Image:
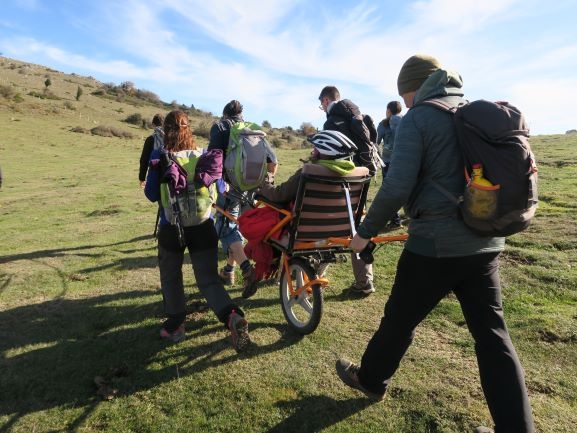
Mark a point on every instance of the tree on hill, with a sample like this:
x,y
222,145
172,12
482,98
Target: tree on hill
x,y
307,128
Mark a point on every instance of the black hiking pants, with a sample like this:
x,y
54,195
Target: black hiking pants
x,y
201,242
420,284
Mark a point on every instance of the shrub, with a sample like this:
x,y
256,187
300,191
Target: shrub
x,y
110,131
6,91
134,119
203,129
307,128
46,94
80,130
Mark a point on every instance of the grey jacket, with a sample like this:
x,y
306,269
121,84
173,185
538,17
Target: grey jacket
x,y
426,148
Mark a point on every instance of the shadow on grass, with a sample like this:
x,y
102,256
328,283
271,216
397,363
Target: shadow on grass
x,y
316,413
79,251
51,352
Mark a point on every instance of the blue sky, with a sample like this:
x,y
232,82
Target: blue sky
x,y
276,55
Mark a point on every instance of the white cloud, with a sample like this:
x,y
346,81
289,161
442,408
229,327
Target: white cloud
x,y
548,104
275,56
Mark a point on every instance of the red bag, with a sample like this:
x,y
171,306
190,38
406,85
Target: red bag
x,y
254,224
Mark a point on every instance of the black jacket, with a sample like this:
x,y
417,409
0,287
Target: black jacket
x,y
339,119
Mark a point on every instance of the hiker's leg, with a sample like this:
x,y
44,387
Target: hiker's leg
x,y
362,272
172,287
204,259
419,286
236,250
500,371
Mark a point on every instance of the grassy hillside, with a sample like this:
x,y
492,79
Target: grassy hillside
x,y
80,303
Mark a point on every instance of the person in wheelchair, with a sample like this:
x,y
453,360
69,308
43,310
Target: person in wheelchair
x,y
332,150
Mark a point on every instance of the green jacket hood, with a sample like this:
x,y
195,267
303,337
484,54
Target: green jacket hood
x,y
340,166
440,83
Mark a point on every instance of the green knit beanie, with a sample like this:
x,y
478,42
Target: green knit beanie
x,y
415,71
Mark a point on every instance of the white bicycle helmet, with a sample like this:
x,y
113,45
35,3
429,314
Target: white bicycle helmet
x,y
333,143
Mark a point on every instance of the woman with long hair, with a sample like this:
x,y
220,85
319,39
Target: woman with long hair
x,y
198,236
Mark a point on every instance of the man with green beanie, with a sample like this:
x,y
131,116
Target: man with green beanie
x,y
441,255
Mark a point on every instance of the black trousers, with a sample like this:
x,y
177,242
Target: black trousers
x,y
201,242
420,284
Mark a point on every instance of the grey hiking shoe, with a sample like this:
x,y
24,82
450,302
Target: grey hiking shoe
x,y
348,373
483,430
227,277
249,282
362,289
238,327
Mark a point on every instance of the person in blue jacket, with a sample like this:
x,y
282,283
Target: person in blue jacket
x,y
441,255
386,134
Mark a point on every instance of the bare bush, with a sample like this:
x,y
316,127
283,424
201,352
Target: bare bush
x,y
307,129
134,119
6,91
203,129
110,131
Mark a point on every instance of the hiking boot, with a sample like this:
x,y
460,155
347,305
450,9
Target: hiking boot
x,y
238,327
249,282
362,289
227,277
175,336
483,430
393,225
349,373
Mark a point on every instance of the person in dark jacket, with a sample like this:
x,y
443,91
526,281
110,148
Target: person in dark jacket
x,y
441,255
200,240
152,142
339,112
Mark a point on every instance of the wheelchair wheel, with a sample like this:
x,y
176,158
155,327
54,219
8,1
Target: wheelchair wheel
x,y
303,311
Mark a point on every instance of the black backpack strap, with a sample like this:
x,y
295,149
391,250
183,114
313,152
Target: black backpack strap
x,y
439,103
446,192
442,105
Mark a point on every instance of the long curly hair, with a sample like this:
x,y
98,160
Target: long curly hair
x,y
177,132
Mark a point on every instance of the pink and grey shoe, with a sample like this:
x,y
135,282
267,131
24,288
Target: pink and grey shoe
x,y
238,327
175,336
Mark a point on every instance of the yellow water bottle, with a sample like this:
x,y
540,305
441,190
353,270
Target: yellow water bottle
x,y
477,176
482,195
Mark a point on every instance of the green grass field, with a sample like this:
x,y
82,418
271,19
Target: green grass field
x,y
80,303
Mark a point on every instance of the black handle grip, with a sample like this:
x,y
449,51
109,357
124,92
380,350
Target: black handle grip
x,y
366,254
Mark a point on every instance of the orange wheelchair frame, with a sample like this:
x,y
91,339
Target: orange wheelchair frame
x,y
322,198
